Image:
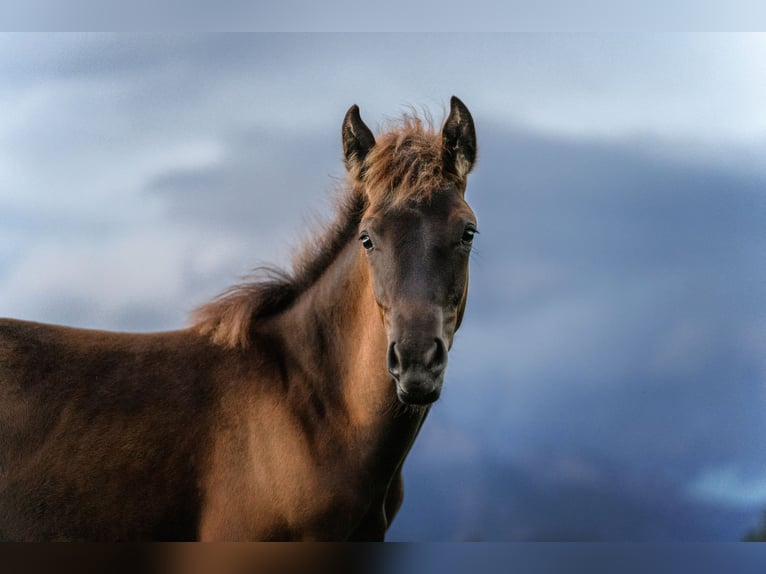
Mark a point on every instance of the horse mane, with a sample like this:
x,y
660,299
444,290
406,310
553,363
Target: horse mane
x,y
229,317
404,165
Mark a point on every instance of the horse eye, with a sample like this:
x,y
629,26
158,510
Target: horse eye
x,y
366,241
468,234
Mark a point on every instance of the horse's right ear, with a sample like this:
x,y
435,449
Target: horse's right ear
x,y
357,139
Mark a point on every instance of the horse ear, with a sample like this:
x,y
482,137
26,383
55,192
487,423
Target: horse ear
x,y
357,139
458,140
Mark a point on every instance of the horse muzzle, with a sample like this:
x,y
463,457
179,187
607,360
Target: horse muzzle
x,y
418,368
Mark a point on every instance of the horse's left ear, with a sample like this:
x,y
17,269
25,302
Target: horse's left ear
x,y
458,140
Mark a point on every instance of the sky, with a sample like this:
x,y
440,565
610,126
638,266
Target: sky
x,y
609,380
394,15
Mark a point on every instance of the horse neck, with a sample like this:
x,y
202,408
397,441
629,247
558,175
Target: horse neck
x,y
337,335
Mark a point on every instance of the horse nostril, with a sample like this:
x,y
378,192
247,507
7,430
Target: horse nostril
x,y
392,361
436,359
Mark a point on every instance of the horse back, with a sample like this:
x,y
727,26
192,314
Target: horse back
x,y
102,435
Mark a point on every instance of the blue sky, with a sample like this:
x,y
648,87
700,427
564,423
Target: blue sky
x,y
609,381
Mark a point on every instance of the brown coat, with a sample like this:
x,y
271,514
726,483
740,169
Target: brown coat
x,y
287,409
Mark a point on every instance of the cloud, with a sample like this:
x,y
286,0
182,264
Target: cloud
x,y
729,487
262,173
491,500
612,325
146,280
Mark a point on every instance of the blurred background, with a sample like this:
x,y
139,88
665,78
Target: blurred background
x,y
609,380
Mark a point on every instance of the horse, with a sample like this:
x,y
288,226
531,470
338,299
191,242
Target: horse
x,y
287,406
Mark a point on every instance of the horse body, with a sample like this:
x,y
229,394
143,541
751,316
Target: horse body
x,y
284,413
165,436
100,433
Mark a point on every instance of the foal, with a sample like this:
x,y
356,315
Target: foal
x,y
286,410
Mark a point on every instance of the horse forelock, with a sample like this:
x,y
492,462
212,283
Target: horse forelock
x,y
405,165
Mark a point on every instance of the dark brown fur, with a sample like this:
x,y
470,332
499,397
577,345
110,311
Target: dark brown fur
x,y
273,417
